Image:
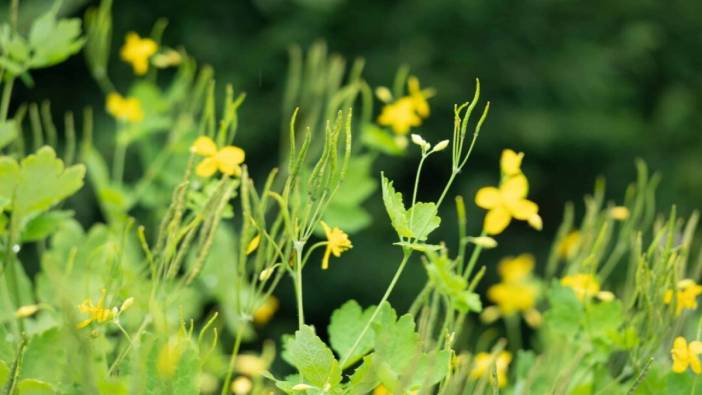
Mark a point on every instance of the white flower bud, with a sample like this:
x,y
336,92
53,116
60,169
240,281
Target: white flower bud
x,y
441,145
483,241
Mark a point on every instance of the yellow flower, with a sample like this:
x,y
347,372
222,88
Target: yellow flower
x,y
381,390
513,297
507,202
227,159
483,366
511,162
685,355
619,213
418,96
686,298
337,242
137,51
515,269
400,115
96,312
124,109
253,244
569,245
585,286
264,313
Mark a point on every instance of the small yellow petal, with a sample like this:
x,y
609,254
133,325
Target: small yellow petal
x,y
229,158
206,168
253,244
496,220
523,209
536,222
488,198
511,162
514,188
204,146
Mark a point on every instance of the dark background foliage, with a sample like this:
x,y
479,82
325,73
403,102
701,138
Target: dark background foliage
x,y
582,88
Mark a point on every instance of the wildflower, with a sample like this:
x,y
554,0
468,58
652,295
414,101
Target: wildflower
x,y
265,312
585,286
227,159
124,109
513,297
26,311
515,269
511,162
569,245
619,213
137,51
241,385
400,116
253,244
337,242
685,355
96,312
687,293
483,366
507,202
381,390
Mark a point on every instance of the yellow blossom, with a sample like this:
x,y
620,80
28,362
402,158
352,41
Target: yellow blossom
x,y
686,296
137,51
253,244
381,390
569,245
685,355
227,159
418,96
586,286
506,202
511,162
619,213
265,312
124,109
513,297
400,115
483,366
514,269
96,312
337,242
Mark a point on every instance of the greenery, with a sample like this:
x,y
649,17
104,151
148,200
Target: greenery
x,y
342,227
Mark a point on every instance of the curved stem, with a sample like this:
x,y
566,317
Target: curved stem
x,y
232,362
384,299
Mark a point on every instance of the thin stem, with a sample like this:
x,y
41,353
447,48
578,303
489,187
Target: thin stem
x,y
454,172
514,332
6,94
393,282
118,163
232,361
416,179
473,259
298,286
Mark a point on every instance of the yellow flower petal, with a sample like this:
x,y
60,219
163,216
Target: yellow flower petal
x,y
229,158
488,197
253,244
514,188
511,162
523,209
204,146
496,220
137,51
695,347
206,168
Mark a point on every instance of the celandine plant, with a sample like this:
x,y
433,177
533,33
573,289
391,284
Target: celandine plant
x,y
160,297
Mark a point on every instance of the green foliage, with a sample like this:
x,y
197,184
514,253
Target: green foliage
x,y
417,222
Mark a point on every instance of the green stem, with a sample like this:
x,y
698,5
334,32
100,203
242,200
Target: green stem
x,y
473,259
232,362
5,103
298,285
384,299
118,161
454,172
514,332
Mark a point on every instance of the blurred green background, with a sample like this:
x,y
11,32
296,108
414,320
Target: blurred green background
x,y
582,88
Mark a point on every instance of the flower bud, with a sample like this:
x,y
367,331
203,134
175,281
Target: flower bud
x,y
441,145
486,242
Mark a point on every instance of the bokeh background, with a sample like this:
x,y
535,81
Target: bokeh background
x,y
582,88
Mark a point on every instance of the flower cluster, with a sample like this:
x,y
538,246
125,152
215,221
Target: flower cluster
x,y
517,292
509,199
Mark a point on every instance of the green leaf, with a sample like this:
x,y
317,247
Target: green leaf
x,y
423,220
52,40
34,387
395,208
364,379
38,183
396,343
44,225
45,357
441,276
346,325
8,132
4,373
351,218
566,313
313,359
